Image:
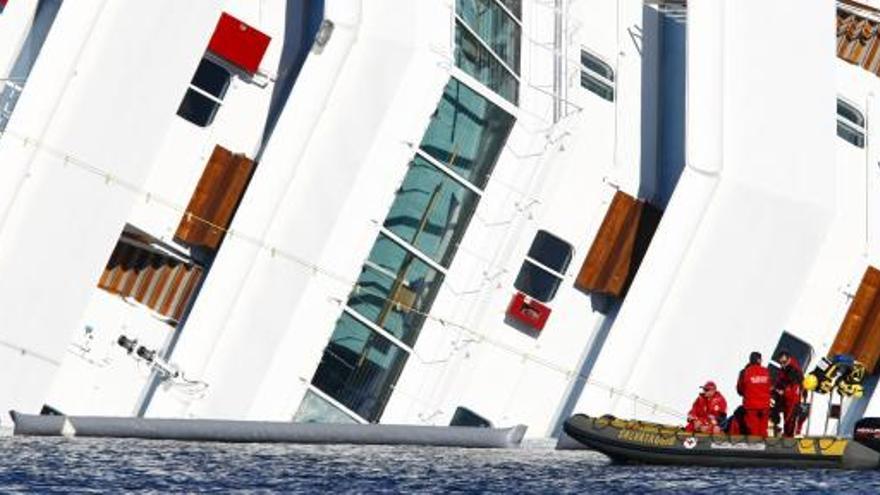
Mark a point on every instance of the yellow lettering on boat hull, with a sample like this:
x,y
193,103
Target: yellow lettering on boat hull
x,y
646,438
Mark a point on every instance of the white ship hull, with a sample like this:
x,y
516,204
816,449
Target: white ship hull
x,y
769,219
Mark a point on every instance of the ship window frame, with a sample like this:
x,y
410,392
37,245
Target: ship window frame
x,y
851,123
532,265
351,320
597,75
196,95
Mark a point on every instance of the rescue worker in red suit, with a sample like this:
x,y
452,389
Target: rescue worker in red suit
x,y
754,386
787,393
708,412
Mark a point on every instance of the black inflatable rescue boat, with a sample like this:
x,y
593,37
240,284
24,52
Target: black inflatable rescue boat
x,y
650,443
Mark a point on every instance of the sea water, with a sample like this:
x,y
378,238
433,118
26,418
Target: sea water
x,y
59,465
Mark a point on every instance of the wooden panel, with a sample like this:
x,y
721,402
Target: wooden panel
x,y
619,246
595,271
215,199
870,58
862,310
161,282
867,345
857,39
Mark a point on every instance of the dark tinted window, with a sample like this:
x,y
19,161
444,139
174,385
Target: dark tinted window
x,y
537,282
550,251
212,78
598,87
850,113
850,134
850,124
597,76
596,65
799,349
198,108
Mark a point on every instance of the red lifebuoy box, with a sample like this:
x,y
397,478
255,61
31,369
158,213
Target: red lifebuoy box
x,y
529,311
238,43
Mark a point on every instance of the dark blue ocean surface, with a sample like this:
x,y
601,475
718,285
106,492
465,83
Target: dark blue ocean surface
x,y
60,465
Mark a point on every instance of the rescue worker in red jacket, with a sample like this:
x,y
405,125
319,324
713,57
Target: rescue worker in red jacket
x,y
754,386
708,412
787,393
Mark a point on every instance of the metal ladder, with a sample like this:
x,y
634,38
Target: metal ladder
x,y
834,412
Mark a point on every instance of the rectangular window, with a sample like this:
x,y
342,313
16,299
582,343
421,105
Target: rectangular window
x,y
551,251
597,76
395,289
544,267
215,199
536,282
472,57
205,94
359,368
850,124
212,78
467,133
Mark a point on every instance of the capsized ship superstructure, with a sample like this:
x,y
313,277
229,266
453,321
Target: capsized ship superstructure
x,y
428,212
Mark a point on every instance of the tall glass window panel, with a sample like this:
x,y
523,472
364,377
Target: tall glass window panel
x,y
359,368
431,211
495,27
473,58
467,133
395,290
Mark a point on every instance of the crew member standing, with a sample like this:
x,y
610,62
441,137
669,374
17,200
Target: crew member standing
x,y
754,386
787,393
